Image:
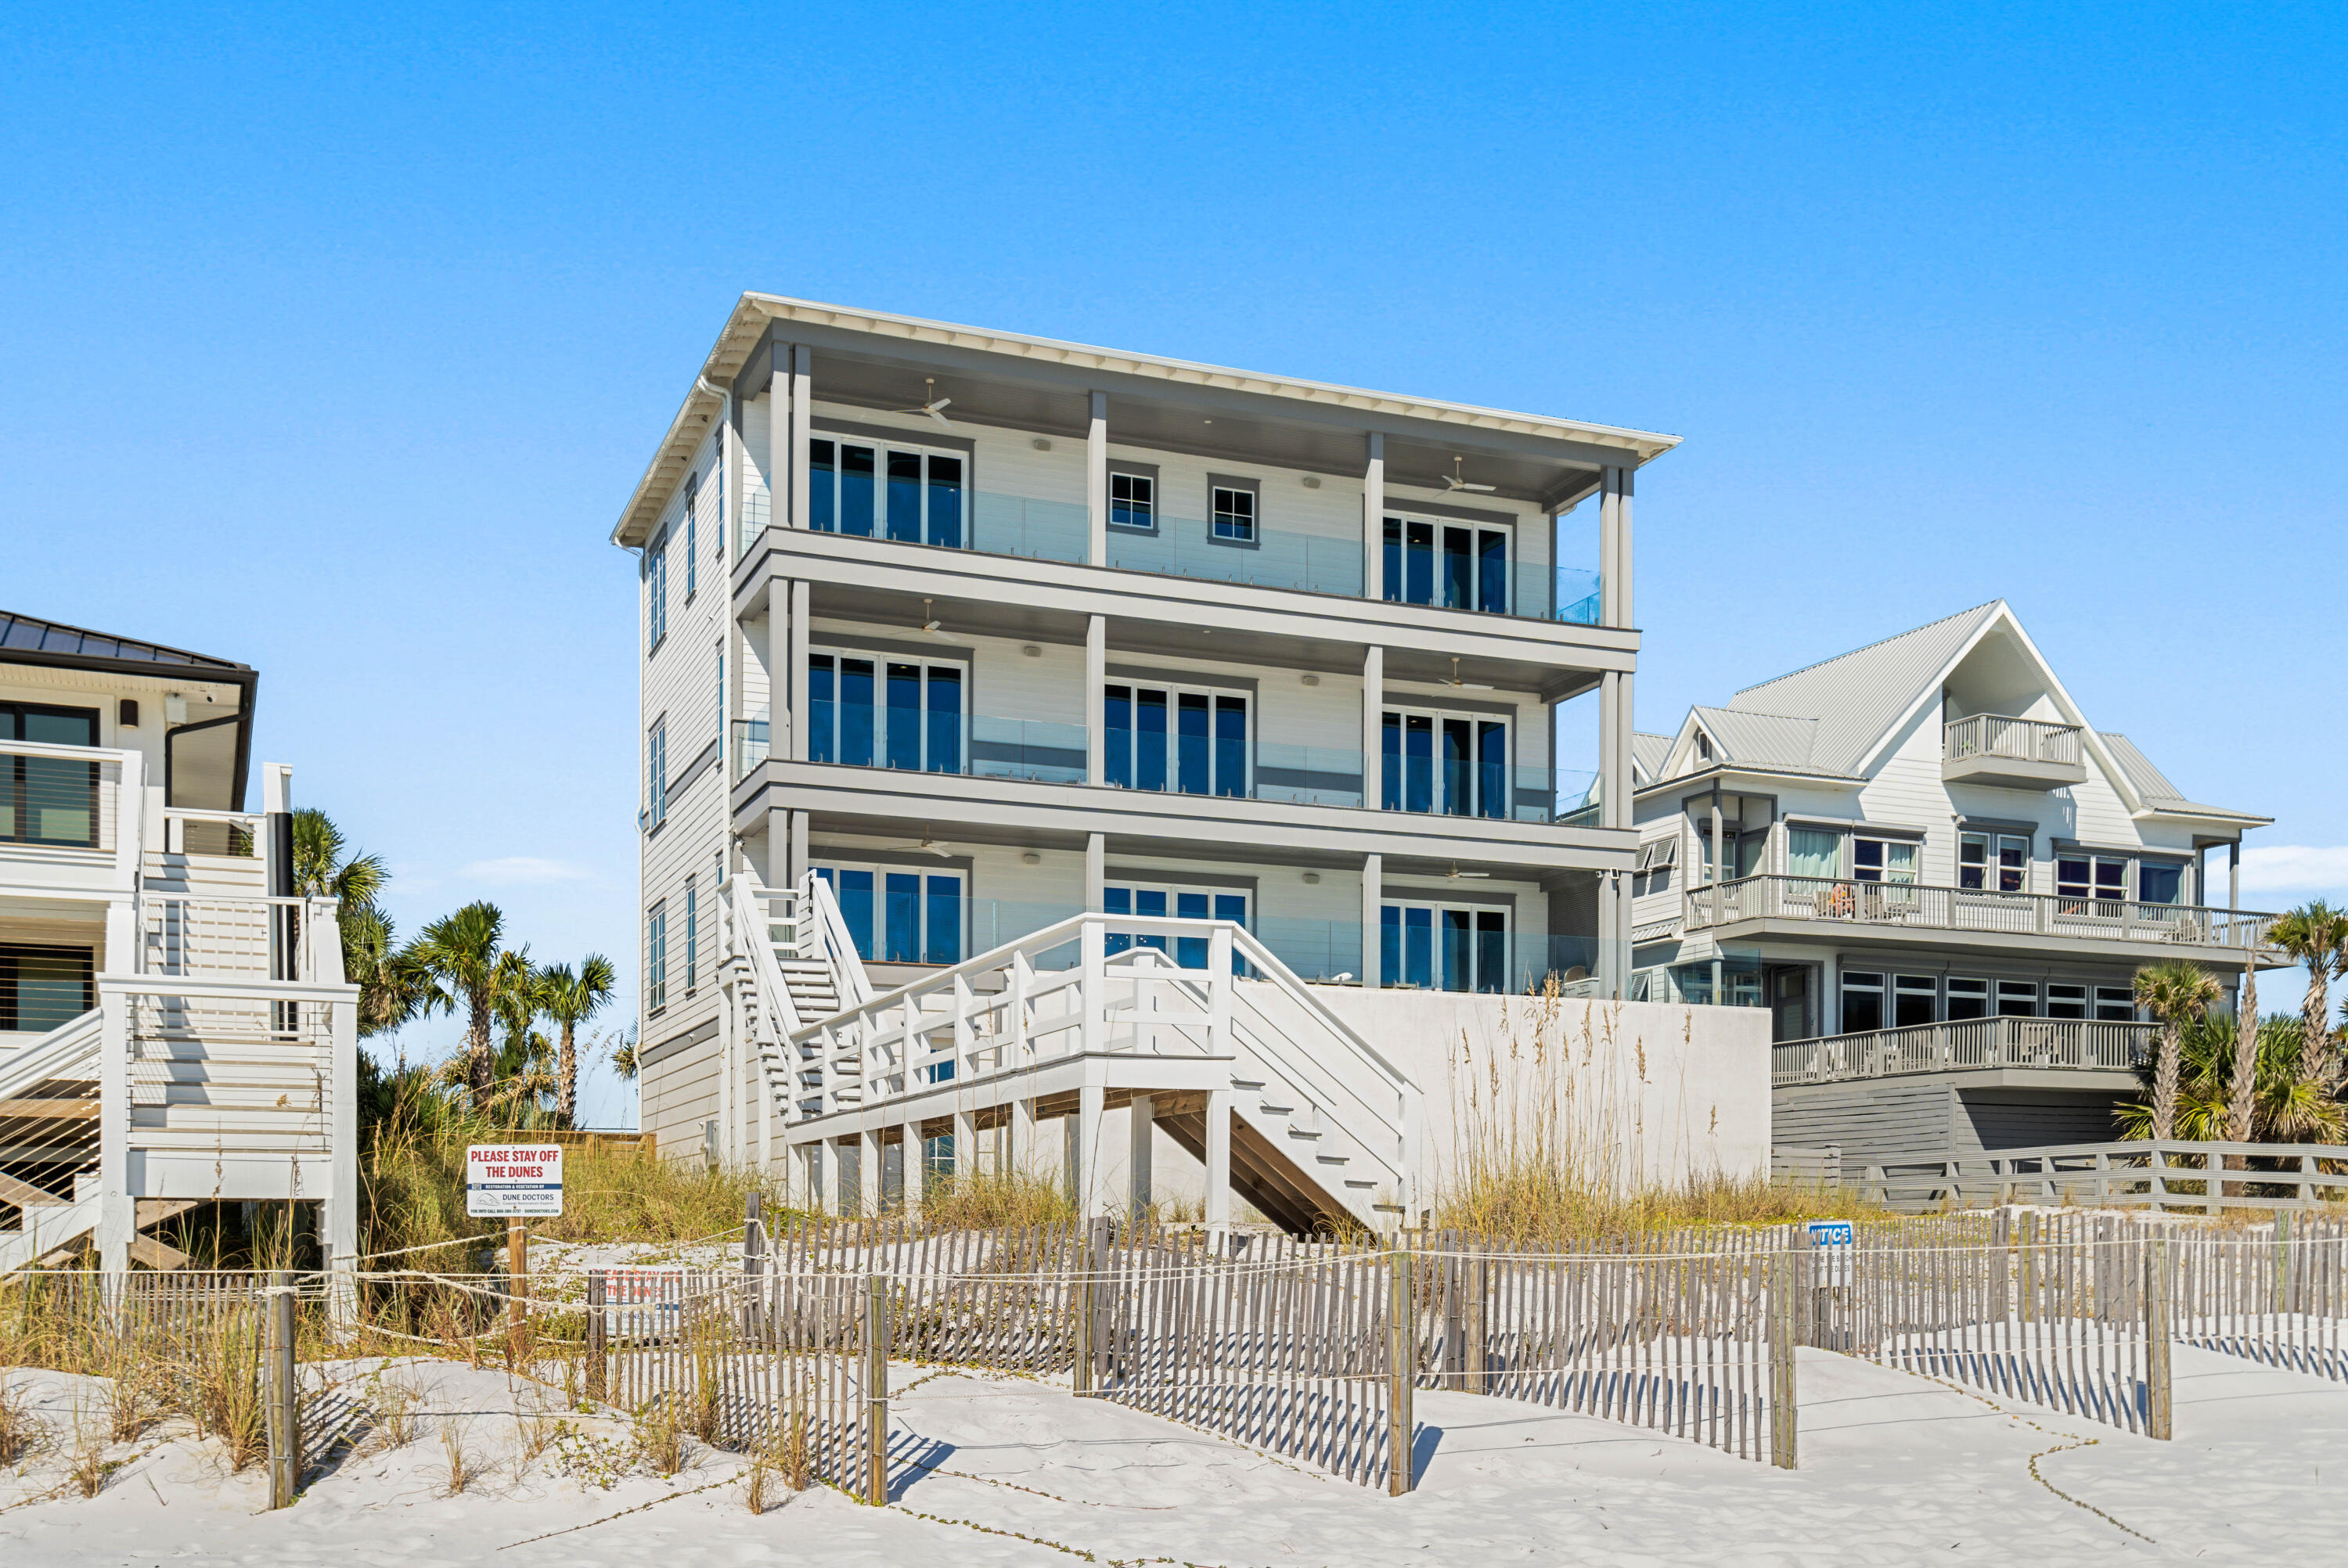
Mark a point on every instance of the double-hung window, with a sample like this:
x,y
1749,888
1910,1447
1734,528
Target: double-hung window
x,y
2115,1004
656,772
1447,948
1883,860
1146,902
899,916
656,593
1444,765
897,490
1862,1000
1813,852
2159,882
2066,1000
1168,738
1232,512
1994,862
42,987
48,800
885,713
1968,998
1458,565
1132,500
2017,999
1913,998
2091,884
656,957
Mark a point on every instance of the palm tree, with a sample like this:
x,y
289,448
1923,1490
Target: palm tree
x,y
516,991
456,961
2243,1094
2315,934
2173,992
570,999
387,994
320,871
2282,1110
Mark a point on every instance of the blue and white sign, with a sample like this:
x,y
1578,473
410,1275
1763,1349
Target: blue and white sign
x,y
513,1180
1831,1245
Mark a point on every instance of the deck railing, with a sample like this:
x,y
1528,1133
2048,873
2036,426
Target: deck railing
x,y
1964,1045
1915,906
62,797
2019,739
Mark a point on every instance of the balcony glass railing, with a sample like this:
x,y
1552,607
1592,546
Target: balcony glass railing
x,y
1027,749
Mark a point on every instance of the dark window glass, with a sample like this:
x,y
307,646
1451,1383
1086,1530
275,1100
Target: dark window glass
x,y
1491,950
2115,1004
1234,514
1390,944
822,505
941,924
1190,760
1132,501
1492,768
1418,947
1418,762
2158,883
1191,952
856,724
1968,999
1117,719
2012,864
2017,999
48,800
1458,568
944,750
945,502
1117,901
1230,746
1390,753
1149,739
43,987
1391,573
1492,571
904,734
1419,563
1912,999
2066,1001
901,917
905,496
822,709
1458,950
1866,859
1973,861
1862,1002
856,479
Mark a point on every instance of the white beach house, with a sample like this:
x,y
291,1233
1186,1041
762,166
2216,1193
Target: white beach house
x,y
1938,879
1260,711
174,1027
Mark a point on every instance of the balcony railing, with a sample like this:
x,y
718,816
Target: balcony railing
x,y
1995,735
1914,906
59,797
1964,1045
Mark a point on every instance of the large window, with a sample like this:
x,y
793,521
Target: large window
x,y
1968,998
2159,882
1166,738
2017,999
1883,860
1438,947
1460,566
885,713
655,570
1862,1000
656,957
1813,852
2086,881
1447,764
1156,903
42,988
656,772
1913,999
48,800
898,491
900,916
1993,863
2115,1004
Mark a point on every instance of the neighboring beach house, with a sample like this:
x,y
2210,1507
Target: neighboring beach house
x,y
174,1031
953,637
1938,879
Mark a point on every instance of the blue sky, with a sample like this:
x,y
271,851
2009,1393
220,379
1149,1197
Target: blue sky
x,y
334,344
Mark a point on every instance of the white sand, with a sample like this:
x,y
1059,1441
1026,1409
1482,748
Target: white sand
x,y
1896,1470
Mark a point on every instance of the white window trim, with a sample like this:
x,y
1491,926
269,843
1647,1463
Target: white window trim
x,y
1175,691
1408,709
880,870
881,446
880,662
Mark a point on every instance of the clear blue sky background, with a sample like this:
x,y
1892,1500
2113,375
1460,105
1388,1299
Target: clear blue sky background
x,y
334,344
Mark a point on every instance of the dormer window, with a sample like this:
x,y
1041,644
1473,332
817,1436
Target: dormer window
x,y
1702,746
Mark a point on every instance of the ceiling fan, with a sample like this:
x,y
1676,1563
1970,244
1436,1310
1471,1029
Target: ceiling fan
x,y
1453,480
1463,685
1455,875
927,846
933,404
929,622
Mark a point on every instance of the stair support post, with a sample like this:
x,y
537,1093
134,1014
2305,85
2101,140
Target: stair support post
x,y
870,1155
1219,1162
1402,1373
965,1145
1141,1133
118,1215
913,1188
1093,1022
1219,992
1091,1110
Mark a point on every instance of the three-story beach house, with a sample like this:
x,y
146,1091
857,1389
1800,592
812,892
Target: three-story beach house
x,y
174,1027
1938,879
1205,701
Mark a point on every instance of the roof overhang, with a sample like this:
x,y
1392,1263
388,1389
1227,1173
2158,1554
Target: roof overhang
x,y
1454,425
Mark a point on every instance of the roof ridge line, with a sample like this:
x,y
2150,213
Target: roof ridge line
x,y
1864,646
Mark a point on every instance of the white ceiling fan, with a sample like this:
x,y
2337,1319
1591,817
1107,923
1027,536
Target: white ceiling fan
x,y
933,404
929,622
928,845
1463,685
1453,480
1455,875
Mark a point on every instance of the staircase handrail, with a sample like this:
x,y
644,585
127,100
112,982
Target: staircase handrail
x,y
51,1054
751,922
847,965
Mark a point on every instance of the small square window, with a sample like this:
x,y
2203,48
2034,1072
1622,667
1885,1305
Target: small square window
x,y
1132,501
1234,514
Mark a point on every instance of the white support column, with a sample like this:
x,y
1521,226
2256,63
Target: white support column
x,y
915,1166
868,1173
1719,855
1219,1162
1019,1139
1096,478
117,1213
1613,750
1096,700
802,426
1374,706
826,1163
1096,872
1091,1190
342,1206
1141,1132
1610,542
729,1077
1626,481
795,856
795,678
1374,894
1092,1023
1609,911
1373,519
2234,874
965,1145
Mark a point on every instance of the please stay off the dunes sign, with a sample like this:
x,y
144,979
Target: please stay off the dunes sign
x,y
513,1180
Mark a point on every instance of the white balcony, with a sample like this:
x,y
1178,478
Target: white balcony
x,y
1893,912
1964,1045
2013,754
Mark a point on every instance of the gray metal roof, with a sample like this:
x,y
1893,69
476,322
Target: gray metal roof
x,y
60,642
2152,785
1855,698
1761,740
1649,752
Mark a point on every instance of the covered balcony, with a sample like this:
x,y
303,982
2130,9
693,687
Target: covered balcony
x,y
2013,754
1966,1045
1880,913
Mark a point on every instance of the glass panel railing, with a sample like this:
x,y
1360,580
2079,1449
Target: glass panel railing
x,y
1027,749
1308,775
1270,558
1534,589
747,740
1430,786
1042,530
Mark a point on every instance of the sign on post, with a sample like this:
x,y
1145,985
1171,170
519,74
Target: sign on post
x,y
513,1180
1831,1243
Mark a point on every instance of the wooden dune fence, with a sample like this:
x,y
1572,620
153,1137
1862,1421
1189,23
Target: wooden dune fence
x,y
2278,1296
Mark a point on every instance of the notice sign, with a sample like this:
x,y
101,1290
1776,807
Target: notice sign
x,y
513,1180
1830,1244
